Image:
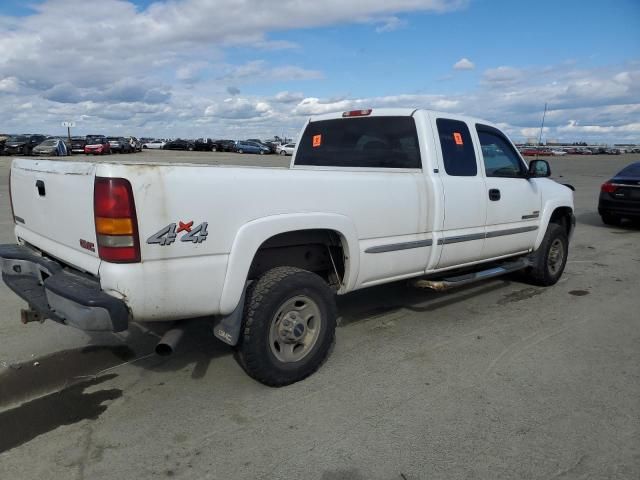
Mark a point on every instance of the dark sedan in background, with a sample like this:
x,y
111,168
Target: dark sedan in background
x,y
620,196
77,144
22,144
179,144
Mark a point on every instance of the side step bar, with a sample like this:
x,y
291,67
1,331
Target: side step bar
x,y
447,283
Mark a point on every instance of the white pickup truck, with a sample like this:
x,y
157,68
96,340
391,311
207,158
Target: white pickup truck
x,y
370,197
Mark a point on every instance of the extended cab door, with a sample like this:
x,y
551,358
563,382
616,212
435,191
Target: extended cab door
x,y
514,201
465,198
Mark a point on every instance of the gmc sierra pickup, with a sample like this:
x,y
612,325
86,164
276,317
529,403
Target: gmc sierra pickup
x,y
370,197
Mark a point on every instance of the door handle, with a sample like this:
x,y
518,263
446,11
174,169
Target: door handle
x,y
40,187
494,194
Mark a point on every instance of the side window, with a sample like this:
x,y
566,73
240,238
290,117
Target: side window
x,y
500,158
457,148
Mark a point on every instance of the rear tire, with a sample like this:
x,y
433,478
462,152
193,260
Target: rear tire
x,y
609,219
288,327
550,258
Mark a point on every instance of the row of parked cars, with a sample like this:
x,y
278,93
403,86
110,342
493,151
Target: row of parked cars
x,y
559,151
36,144
208,145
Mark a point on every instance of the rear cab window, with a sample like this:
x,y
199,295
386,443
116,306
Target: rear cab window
x,y
458,152
365,142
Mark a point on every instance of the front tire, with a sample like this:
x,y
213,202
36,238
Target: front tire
x,y
550,258
288,328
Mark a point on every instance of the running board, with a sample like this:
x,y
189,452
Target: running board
x,y
460,280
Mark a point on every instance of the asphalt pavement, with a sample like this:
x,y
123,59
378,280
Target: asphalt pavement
x,y
499,380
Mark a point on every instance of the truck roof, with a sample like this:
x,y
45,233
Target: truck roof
x,y
402,112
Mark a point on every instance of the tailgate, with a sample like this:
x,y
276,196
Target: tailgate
x,y
53,208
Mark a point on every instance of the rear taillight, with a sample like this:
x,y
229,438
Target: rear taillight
x,y
608,187
357,113
115,219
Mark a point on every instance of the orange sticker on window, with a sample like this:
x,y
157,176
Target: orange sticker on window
x,y
457,137
317,141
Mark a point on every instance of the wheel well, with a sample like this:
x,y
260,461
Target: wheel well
x,y
562,216
320,251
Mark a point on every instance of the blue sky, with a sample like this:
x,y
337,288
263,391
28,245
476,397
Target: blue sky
x,y
253,68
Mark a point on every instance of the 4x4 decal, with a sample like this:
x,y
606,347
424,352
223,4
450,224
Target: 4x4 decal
x,y
169,234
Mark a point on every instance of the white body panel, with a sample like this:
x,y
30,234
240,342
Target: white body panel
x,y
372,210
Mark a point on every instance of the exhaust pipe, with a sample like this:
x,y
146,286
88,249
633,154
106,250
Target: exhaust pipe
x,y
169,342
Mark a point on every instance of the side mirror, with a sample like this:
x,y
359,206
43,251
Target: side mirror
x,y
539,168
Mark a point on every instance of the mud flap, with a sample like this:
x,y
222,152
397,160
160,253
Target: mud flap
x,y
227,329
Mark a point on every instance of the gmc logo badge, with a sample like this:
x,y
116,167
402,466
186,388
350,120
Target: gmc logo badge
x,y
87,245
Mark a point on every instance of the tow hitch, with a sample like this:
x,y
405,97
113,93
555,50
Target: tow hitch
x,y
28,316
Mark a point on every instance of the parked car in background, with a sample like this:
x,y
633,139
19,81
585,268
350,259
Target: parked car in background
x,y
179,144
119,145
77,144
22,144
136,145
273,147
52,147
287,149
251,147
558,153
3,139
224,145
65,140
154,144
97,145
204,145
620,196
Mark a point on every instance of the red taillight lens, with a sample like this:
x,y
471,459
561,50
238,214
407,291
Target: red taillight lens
x,y
608,187
115,220
113,198
357,113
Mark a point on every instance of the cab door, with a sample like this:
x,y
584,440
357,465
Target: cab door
x,y
513,200
465,201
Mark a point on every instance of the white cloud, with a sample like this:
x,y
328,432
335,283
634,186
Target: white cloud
x,y
390,24
158,71
502,76
9,85
464,64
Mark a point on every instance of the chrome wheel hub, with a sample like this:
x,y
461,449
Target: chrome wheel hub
x,y
556,256
295,329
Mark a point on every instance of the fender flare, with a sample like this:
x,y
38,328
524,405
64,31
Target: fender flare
x,y
253,234
549,207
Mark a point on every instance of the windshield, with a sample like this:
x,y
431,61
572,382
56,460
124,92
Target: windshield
x,y
48,143
17,138
94,140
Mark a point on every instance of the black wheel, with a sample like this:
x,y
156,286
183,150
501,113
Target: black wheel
x,y
550,258
288,327
609,219
282,152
